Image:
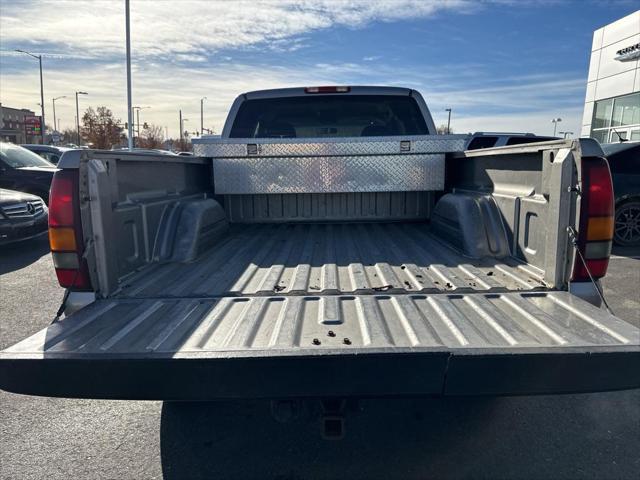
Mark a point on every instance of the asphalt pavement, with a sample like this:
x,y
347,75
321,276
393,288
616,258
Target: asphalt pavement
x,y
568,436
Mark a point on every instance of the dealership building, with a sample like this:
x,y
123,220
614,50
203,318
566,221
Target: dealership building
x,y
612,103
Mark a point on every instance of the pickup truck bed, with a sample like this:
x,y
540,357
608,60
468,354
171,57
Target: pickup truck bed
x,y
273,308
312,259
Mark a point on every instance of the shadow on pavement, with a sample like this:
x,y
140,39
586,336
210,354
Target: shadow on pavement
x,y
524,437
15,256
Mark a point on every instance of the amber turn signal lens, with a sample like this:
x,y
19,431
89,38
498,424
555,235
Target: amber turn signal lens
x,y
600,228
62,239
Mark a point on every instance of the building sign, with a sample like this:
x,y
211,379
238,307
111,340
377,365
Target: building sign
x,y
32,125
629,53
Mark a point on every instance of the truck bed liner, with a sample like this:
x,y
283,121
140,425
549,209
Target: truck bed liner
x,y
281,346
307,259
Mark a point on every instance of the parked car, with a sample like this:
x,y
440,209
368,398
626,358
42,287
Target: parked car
x,y
624,161
50,153
316,251
144,150
22,216
25,171
500,139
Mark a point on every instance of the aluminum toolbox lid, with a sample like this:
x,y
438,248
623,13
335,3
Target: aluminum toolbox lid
x,y
213,146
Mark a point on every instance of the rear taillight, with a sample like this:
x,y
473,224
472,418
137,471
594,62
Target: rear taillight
x,y
65,232
327,89
596,220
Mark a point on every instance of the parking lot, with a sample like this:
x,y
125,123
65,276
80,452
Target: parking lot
x,y
570,436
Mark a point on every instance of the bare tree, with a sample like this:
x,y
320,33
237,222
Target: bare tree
x,y
100,128
68,135
184,145
152,136
442,129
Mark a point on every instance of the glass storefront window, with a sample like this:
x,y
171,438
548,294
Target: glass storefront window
x,y
626,110
616,118
600,135
618,135
602,114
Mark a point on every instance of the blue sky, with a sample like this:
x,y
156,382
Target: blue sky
x,y
500,65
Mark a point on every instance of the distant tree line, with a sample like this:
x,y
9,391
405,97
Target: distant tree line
x,y
101,129
442,129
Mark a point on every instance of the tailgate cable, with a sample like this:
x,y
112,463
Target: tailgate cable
x,y
574,241
63,305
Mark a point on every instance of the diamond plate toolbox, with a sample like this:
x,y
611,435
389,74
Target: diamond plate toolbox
x,y
336,165
330,174
303,147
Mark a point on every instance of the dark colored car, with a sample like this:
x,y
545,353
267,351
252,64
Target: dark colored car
x,y
624,161
22,216
25,171
51,153
500,139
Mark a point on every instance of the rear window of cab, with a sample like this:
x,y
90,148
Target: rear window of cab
x,y
329,116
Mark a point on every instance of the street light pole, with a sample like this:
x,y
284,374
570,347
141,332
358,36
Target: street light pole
x,y
448,120
184,128
138,121
182,120
77,121
55,124
202,115
39,57
129,101
41,99
78,115
555,122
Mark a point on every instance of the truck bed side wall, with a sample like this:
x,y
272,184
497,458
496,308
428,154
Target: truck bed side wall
x,y
135,198
530,186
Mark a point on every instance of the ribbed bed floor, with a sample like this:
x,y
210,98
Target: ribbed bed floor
x,y
307,259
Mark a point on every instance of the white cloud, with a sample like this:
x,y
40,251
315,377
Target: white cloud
x,y
173,42
525,94
162,87
96,27
190,57
533,122
526,106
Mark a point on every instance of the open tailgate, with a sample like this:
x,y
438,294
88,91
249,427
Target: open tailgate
x,y
340,345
